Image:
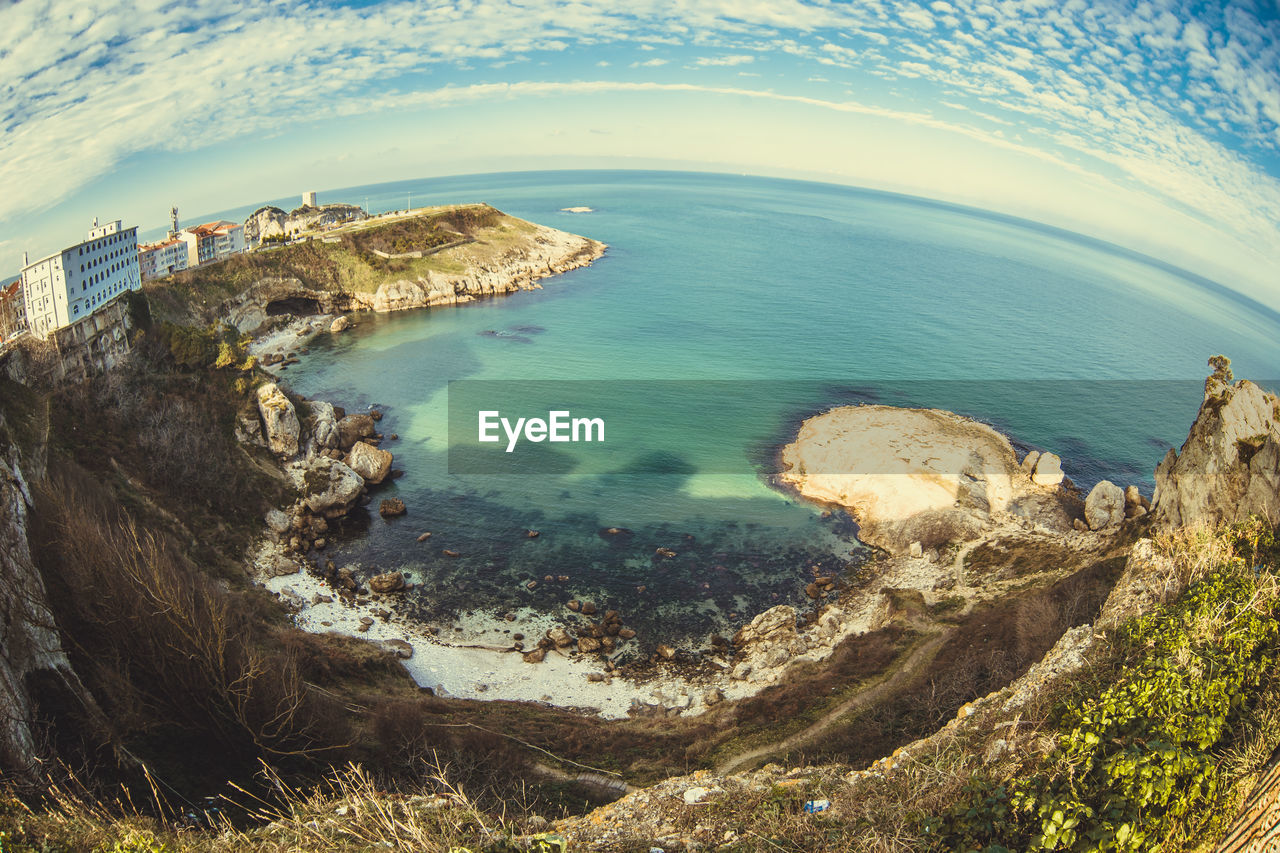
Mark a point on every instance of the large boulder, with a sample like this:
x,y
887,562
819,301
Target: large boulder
x,y
323,424
248,426
1048,470
328,487
1105,506
369,462
1229,466
387,582
280,420
352,428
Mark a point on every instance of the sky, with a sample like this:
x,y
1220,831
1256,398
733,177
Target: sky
x,y
1152,124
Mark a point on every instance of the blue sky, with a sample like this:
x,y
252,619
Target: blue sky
x,y
1152,124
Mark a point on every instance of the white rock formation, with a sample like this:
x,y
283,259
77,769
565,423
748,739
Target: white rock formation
x,y
1105,506
280,420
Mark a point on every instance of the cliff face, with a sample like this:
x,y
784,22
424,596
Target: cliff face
x,y
542,253
1229,466
271,221
29,642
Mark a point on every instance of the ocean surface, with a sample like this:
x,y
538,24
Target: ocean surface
x,y
726,310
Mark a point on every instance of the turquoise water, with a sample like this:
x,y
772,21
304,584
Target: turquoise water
x,y
806,296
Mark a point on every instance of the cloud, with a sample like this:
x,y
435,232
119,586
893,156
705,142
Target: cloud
x,y
1176,100
731,59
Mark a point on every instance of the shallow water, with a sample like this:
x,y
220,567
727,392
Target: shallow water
x,y
806,296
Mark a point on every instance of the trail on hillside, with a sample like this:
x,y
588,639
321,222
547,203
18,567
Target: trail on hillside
x,y
920,657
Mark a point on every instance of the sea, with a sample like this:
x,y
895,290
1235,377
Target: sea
x,y
725,311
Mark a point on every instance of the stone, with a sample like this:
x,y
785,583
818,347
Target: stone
x,y
535,656
277,521
1104,507
280,420
322,423
424,537
574,605
450,553
665,552
1029,462
402,648
339,324
588,608
1078,524
560,637
915,549
665,652
595,676
532,534
693,796
1048,470
626,633
1133,505
387,582
712,697
531,585
352,428
369,462
327,486
588,644
248,426
391,507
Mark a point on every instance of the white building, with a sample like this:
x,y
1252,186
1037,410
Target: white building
x,y
156,260
212,241
70,285
309,199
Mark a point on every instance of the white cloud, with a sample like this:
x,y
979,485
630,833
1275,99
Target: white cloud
x,y
731,59
650,63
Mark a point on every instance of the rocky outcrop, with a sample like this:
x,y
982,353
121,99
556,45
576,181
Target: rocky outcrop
x,y
371,463
767,642
352,428
1229,466
328,487
279,419
1105,506
918,479
322,425
29,642
271,221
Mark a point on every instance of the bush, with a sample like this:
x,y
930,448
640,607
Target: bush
x,y
1139,764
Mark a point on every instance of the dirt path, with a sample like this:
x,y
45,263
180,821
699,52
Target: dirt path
x,y
919,658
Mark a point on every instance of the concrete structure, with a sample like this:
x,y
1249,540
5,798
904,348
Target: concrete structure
x,y
66,287
212,241
309,199
156,260
13,314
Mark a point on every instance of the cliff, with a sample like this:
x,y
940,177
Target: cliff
x,y
31,651
442,256
270,221
1229,466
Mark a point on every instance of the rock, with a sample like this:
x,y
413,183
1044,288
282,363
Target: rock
x,y
626,633
588,608
714,696
665,552
449,553
323,425
574,605
535,656
560,637
1048,470
741,672
588,644
695,795
277,521
424,537
339,324
595,676
280,420
1133,506
1229,466
402,648
531,585
327,486
915,549
1078,524
369,462
347,579
1029,462
665,652
532,534
352,428
391,507
812,590
366,621
1105,506
248,426
387,582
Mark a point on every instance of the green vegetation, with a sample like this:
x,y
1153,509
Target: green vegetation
x,y
1141,760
